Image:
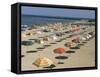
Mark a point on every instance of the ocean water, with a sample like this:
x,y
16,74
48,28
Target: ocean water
x,y
31,20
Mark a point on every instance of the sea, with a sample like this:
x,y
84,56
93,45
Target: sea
x,y
37,20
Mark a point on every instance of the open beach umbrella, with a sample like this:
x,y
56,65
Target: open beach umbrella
x,y
28,34
76,40
39,41
53,37
24,34
59,51
67,44
77,28
74,45
83,38
26,43
43,62
46,38
72,28
39,32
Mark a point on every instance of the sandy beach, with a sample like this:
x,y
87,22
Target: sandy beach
x,y
83,57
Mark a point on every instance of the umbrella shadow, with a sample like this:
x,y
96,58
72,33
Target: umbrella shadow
x,y
74,47
70,51
53,43
51,66
58,41
32,51
22,55
61,57
60,62
81,44
31,39
47,45
40,48
84,42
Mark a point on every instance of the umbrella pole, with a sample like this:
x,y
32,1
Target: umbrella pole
x,y
60,62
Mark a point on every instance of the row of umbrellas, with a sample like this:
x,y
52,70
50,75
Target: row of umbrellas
x,y
71,28
45,62
45,38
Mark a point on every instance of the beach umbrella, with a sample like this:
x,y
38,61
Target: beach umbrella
x,y
28,34
59,34
83,38
91,33
87,36
26,43
77,28
46,30
43,62
23,35
76,40
74,46
54,37
59,51
67,44
72,28
39,41
39,32
45,38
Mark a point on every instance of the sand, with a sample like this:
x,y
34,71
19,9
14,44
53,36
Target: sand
x,y
83,57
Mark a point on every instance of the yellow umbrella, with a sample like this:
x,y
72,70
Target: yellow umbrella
x,y
43,62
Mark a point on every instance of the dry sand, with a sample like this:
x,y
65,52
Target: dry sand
x,y
83,57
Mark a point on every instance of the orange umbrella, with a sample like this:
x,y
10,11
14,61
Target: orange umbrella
x,y
59,50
